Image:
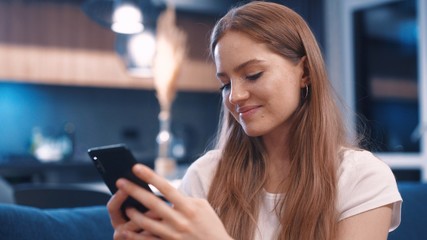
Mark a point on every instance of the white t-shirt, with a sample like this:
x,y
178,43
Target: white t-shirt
x,y
364,183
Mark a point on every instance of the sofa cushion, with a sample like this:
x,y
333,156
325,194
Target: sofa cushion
x,y
20,222
414,212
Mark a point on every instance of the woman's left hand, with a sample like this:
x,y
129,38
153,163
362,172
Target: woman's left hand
x,y
184,218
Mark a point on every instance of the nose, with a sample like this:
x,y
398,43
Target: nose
x,y
238,92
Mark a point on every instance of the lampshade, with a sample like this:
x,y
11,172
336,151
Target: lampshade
x,y
121,16
127,17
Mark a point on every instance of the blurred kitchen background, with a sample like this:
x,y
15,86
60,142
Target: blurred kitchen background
x,y
68,82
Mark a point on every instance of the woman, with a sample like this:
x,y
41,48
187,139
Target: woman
x,y
282,168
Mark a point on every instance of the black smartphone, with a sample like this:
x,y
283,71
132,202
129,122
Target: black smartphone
x,y
114,162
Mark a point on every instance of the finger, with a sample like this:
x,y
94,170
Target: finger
x,y
153,215
113,207
169,192
127,227
131,226
154,227
128,235
159,208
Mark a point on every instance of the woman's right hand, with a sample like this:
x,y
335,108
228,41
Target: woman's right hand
x,y
121,224
184,218
118,222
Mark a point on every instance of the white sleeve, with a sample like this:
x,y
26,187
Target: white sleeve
x,y
197,179
365,182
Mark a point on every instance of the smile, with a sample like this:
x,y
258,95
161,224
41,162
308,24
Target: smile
x,y
247,111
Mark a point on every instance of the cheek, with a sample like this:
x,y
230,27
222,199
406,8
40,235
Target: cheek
x,y
292,97
285,98
290,90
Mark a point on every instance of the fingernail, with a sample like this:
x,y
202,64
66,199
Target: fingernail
x,y
129,211
138,167
120,183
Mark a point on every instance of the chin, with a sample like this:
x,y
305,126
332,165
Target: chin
x,y
252,133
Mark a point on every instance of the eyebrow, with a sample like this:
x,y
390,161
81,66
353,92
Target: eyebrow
x,y
241,66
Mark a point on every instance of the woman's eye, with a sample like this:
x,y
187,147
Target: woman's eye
x,y
254,76
225,87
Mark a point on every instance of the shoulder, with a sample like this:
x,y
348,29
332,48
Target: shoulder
x,y
360,167
356,164
206,162
365,182
197,179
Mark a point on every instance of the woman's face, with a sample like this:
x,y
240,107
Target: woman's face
x,y
260,88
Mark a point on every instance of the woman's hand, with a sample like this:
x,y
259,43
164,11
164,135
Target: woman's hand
x,y
187,218
116,215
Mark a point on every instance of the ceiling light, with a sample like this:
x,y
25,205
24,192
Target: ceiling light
x,y
121,16
127,18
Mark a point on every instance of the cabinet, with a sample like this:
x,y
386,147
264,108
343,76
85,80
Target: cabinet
x,y
54,42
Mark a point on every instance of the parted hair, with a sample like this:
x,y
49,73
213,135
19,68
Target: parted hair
x,y
308,209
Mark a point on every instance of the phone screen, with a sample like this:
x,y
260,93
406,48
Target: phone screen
x,y
114,162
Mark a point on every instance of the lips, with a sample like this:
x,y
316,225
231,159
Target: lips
x,y
246,111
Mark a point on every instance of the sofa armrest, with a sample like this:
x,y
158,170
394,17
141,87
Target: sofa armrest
x,y
414,212
21,222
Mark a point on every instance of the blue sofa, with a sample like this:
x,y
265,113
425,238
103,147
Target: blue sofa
x,y
414,213
21,223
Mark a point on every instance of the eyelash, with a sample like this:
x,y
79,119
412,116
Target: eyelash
x,y
254,76
250,78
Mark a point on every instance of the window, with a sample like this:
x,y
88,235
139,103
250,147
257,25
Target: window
x,y
377,68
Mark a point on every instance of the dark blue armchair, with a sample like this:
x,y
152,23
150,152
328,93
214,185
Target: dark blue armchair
x,y
19,222
414,213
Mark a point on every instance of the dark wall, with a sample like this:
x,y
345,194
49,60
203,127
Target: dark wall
x,y
101,116
313,13
104,116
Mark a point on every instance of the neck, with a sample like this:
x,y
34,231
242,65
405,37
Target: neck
x,y
278,163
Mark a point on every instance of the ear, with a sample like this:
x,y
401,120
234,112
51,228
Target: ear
x,y
305,78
